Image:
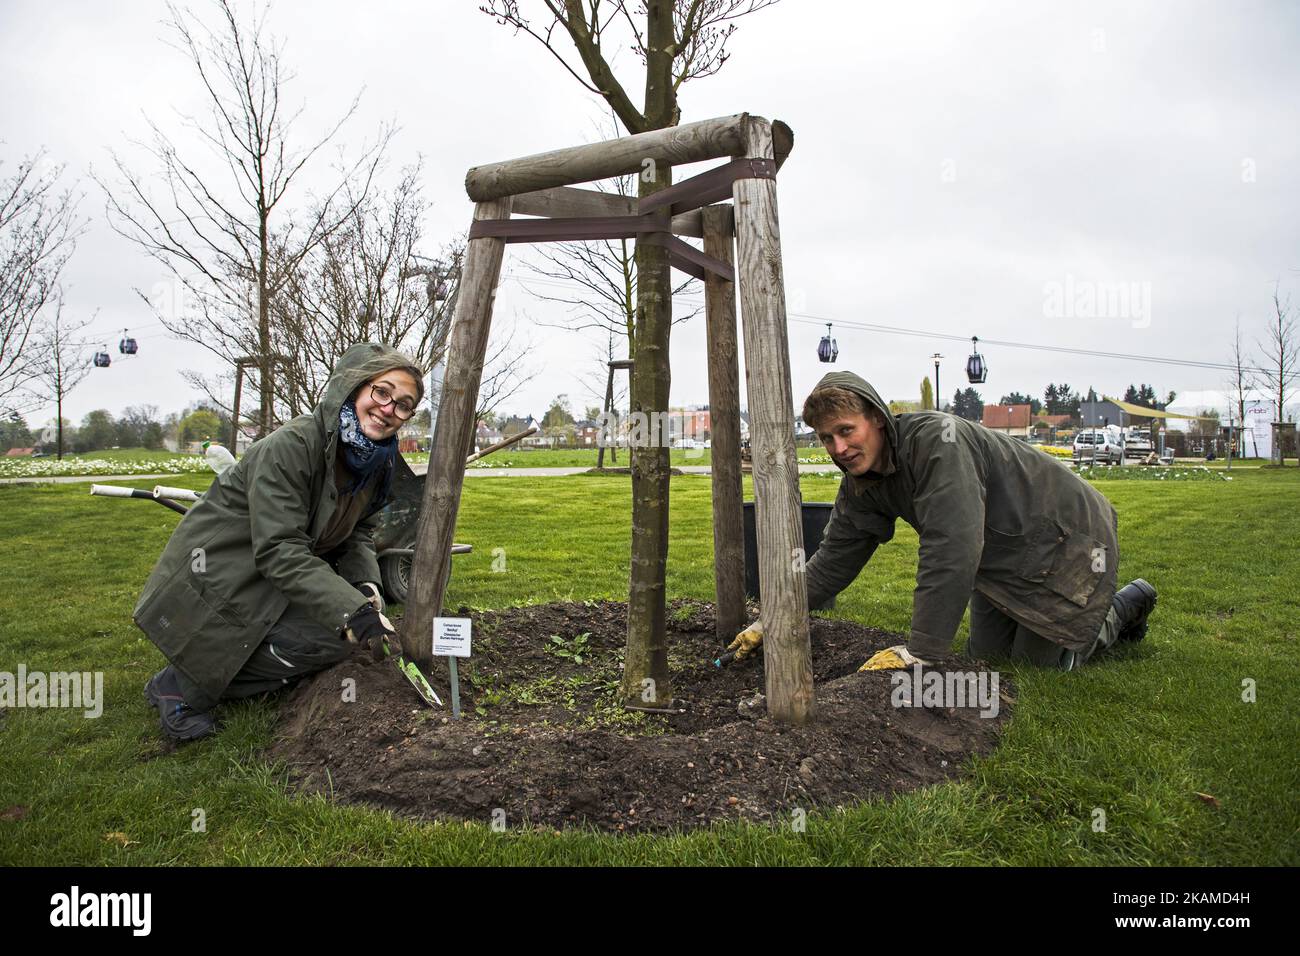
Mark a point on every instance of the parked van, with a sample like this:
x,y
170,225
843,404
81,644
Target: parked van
x,y
1102,446
1137,443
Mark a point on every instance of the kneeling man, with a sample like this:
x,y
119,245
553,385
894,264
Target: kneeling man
x,y
1028,544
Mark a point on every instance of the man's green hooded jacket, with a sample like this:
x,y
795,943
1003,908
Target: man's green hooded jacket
x,y
246,549
993,514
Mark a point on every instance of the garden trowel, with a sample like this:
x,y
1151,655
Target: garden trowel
x,y
412,673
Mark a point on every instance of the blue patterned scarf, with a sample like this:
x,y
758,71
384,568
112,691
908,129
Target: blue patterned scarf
x,y
365,458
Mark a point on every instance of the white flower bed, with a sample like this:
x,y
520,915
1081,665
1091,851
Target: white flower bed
x,y
52,467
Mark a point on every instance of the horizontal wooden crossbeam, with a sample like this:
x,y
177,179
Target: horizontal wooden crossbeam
x,y
567,202
697,142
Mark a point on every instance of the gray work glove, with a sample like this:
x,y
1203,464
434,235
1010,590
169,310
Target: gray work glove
x,y
374,594
371,628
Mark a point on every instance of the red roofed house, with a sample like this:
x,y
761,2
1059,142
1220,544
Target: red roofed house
x,y
1008,419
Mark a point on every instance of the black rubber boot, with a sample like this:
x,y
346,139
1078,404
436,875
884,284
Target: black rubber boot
x,y
1133,603
178,719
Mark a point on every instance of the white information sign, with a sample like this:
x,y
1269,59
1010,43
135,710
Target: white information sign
x,y
451,637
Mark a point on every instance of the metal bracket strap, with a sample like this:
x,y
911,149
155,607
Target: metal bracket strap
x,y
708,187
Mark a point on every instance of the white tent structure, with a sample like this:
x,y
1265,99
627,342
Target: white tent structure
x,y
1261,409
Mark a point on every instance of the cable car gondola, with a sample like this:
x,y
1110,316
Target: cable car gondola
x,y
827,350
127,344
101,358
977,370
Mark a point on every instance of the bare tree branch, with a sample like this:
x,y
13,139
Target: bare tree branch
x,y
39,229
1281,348
216,218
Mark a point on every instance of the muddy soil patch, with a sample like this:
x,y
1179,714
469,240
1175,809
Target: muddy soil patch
x,y
545,741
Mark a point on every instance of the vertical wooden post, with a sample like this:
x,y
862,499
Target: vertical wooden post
x,y
609,402
724,429
234,418
787,655
431,566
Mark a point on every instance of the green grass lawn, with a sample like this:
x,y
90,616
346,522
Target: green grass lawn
x,y
587,457
1137,737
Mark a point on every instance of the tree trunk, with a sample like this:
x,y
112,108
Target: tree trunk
x,y
264,357
645,672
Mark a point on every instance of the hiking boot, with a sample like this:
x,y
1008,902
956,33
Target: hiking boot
x,y
178,719
1133,603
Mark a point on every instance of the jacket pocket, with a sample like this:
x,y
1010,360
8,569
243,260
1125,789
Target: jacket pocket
x,y
1062,561
179,611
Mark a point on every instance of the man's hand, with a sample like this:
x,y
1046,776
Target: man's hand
x,y
371,628
747,641
374,594
891,659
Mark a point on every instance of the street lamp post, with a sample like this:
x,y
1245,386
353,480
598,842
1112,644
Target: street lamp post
x,y
937,407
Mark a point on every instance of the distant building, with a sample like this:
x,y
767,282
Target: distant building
x,y
485,436
1011,420
1100,413
586,433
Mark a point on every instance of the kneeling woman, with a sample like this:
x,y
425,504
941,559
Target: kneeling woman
x,y
270,572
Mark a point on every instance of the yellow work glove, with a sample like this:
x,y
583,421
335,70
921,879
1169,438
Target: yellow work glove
x,y
891,659
747,641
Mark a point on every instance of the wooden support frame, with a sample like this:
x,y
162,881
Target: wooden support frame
x,y
453,437
617,365
724,429
787,654
541,185
675,146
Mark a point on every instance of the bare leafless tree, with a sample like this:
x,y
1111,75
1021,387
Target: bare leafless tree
x,y
61,361
39,228
215,213
675,41
1242,378
1281,347
505,369
365,281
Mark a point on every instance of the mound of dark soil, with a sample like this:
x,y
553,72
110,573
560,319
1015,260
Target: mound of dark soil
x,y
544,740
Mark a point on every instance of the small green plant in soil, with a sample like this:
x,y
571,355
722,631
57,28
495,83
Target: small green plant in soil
x,y
572,649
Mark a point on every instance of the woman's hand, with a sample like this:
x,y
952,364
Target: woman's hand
x,y
369,627
373,594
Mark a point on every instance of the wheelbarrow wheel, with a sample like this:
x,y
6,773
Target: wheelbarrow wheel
x,y
396,572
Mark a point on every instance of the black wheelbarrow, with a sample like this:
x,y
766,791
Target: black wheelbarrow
x,y
395,535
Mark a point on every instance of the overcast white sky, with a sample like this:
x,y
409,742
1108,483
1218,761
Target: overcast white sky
x,y
952,161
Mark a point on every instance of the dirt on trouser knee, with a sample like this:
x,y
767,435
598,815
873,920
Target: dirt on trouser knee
x,y
544,741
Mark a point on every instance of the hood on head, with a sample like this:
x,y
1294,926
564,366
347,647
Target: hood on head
x,y
358,365
860,386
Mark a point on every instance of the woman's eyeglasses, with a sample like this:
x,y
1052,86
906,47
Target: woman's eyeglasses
x,y
382,396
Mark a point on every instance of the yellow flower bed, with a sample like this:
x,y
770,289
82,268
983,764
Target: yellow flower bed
x,y
1057,451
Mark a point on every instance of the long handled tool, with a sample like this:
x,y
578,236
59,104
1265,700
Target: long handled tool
x,y
530,430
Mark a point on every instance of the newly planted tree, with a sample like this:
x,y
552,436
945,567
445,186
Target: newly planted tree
x,y
675,41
